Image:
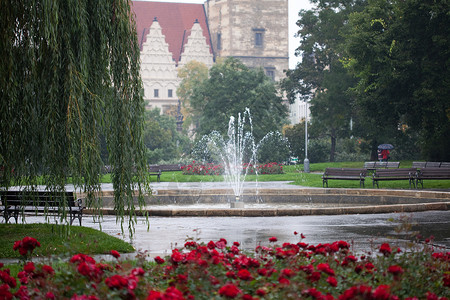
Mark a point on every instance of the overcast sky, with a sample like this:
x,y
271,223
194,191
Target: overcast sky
x,y
294,7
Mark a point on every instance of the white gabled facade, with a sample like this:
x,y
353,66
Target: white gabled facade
x,y
196,48
159,70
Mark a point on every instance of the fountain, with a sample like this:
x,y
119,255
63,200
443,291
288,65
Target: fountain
x,y
237,153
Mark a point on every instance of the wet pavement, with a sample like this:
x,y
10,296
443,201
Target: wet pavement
x,y
364,231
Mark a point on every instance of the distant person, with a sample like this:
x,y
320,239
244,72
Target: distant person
x,y
380,155
385,155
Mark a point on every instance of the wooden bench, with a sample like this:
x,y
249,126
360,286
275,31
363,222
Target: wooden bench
x,y
445,165
15,202
419,164
344,174
433,174
394,174
430,164
374,165
156,170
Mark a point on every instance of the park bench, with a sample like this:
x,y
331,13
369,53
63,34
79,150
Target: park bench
x,y
433,174
15,202
419,164
394,174
374,165
156,170
430,164
344,174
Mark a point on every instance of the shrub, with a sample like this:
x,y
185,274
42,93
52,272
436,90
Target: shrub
x,y
218,169
218,269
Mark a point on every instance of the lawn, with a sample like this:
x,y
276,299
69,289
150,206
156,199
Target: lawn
x,y
55,240
295,174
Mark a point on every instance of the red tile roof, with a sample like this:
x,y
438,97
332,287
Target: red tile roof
x,y
175,19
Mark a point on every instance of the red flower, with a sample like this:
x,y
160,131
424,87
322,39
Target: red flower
x,y
332,281
261,292
287,272
229,290
324,267
29,267
114,253
315,276
116,282
284,281
154,295
244,274
395,270
385,249
27,244
4,292
382,292
446,280
48,269
273,239
159,260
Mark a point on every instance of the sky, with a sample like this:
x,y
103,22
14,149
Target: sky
x,y
294,7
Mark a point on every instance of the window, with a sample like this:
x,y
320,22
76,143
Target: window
x,y
270,72
219,41
156,93
259,37
170,93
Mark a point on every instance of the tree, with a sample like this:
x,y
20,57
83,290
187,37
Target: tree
x,y
230,89
161,138
399,50
70,73
295,134
320,75
192,74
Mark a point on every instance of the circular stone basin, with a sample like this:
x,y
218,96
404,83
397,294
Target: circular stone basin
x,y
287,202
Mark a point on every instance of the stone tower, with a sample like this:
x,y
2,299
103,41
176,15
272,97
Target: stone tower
x,y
254,31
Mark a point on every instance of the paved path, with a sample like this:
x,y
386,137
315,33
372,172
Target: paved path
x,y
363,231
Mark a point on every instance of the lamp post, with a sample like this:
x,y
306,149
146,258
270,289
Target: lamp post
x,y
306,161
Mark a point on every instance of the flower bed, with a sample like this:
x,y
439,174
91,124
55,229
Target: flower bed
x,y
218,270
212,169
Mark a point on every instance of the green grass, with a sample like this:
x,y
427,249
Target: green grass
x,y
313,179
56,241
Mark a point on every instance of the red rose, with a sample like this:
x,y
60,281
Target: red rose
x,y
273,239
332,281
229,290
244,274
29,267
385,249
159,260
114,253
48,269
116,282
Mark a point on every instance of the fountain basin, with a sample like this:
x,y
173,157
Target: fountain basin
x,y
286,202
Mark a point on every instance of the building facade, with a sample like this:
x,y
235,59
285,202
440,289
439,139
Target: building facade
x,y
172,34
253,31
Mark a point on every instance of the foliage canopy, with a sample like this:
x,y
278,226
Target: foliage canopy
x,y
70,73
230,89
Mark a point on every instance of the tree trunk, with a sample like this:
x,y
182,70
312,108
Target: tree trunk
x,y
333,144
373,151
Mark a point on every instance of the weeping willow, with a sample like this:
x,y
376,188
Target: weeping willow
x,y
69,73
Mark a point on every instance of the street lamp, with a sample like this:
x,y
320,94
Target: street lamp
x,y
306,161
